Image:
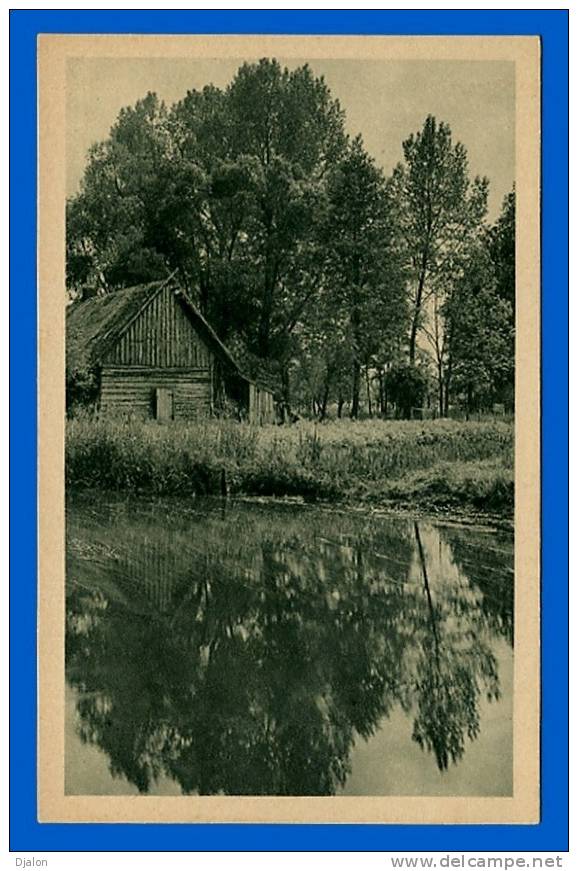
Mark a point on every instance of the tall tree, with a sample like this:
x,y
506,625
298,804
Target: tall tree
x,y
363,273
501,241
111,223
480,334
439,210
288,122
208,210
321,369
502,248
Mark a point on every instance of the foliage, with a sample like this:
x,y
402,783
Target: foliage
x,y
439,209
363,276
82,390
224,187
501,242
407,386
480,334
441,214
502,250
297,248
482,485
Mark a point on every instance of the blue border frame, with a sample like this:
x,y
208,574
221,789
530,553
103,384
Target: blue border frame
x,y
26,833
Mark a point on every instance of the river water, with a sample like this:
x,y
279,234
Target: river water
x,y
245,648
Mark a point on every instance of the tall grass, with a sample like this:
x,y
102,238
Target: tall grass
x,y
315,461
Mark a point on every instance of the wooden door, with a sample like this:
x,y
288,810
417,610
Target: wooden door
x,y
164,404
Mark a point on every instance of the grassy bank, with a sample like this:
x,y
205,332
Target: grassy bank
x,y
439,464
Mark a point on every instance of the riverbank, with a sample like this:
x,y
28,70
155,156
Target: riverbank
x,y
429,465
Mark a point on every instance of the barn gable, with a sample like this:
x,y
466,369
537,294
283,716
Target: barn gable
x,y
163,335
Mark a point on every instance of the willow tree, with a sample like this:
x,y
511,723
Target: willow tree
x,y
225,187
288,122
109,223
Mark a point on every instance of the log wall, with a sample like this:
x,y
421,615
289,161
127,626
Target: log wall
x,y
129,391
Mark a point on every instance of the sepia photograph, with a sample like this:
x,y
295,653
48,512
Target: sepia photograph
x,y
292,288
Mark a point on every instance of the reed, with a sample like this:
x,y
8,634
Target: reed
x,y
368,459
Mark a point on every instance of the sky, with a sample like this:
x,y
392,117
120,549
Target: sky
x,y
383,100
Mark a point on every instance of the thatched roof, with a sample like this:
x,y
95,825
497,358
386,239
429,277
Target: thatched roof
x,y
93,326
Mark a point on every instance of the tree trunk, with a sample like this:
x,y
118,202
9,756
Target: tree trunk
x,y
368,385
340,402
468,401
381,386
413,337
440,389
204,295
269,281
447,397
356,383
265,326
356,367
447,385
417,312
323,404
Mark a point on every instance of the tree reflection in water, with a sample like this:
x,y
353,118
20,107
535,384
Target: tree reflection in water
x,y
242,651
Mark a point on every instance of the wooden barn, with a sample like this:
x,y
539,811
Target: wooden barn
x,y
147,352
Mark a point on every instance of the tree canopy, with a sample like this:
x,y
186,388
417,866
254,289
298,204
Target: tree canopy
x,y
299,250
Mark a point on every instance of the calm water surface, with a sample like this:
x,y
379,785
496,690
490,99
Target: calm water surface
x,y
252,649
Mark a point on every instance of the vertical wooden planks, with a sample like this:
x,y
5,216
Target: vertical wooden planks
x,y
162,336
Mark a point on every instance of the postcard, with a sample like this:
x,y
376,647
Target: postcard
x,y
289,429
